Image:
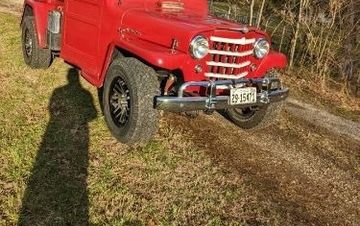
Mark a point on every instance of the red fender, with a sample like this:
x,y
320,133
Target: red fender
x,y
153,54
40,11
272,60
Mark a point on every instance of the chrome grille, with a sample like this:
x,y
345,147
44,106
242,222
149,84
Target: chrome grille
x,y
230,58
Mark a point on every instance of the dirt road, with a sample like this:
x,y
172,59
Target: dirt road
x,y
305,172
305,169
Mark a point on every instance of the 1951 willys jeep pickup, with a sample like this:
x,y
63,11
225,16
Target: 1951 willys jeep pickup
x,y
151,55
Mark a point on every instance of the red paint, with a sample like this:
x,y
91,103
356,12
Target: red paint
x,y
93,28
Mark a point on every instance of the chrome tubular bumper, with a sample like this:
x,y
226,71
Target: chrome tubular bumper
x,y
182,103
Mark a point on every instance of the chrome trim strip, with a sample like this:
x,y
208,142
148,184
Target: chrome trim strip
x,y
224,87
241,41
229,53
215,75
220,64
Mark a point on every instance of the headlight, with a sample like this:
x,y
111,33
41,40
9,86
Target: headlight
x,y
199,47
261,48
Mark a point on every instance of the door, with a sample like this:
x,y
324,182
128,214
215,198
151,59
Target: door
x,y
81,32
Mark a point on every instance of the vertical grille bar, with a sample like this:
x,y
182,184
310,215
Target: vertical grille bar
x,y
230,58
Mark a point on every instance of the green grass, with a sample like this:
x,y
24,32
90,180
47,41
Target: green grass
x,y
59,165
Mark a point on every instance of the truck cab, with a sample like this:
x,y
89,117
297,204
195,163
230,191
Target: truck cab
x,y
147,56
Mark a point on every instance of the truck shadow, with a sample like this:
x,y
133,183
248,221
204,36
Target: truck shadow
x,y
56,192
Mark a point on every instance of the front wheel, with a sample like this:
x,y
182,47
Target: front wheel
x,y
128,100
34,55
255,118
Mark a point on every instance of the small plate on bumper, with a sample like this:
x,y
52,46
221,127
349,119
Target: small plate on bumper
x,y
239,96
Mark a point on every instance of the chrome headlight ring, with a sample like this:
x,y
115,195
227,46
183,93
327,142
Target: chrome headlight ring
x,y
261,48
199,47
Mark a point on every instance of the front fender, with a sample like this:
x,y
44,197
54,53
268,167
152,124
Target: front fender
x,y
274,60
40,12
154,54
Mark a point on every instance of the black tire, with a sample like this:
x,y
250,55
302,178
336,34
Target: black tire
x,y
34,56
133,98
255,118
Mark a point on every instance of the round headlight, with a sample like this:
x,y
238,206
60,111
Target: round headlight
x,y
261,48
199,47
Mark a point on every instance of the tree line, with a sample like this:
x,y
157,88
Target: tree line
x,y
320,37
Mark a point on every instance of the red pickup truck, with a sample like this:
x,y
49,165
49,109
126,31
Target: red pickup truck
x,y
147,56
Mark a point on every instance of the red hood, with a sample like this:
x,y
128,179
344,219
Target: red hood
x,y
162,28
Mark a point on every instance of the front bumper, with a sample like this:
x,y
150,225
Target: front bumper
x,y
183,103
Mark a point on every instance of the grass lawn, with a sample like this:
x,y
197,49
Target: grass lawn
x,y
59,165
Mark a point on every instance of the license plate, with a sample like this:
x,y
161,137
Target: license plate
x,y
240,96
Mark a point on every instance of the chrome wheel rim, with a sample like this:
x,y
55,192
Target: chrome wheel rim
x,y
28,43
119,102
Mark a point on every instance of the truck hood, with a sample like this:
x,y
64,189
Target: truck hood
x,y
163,28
